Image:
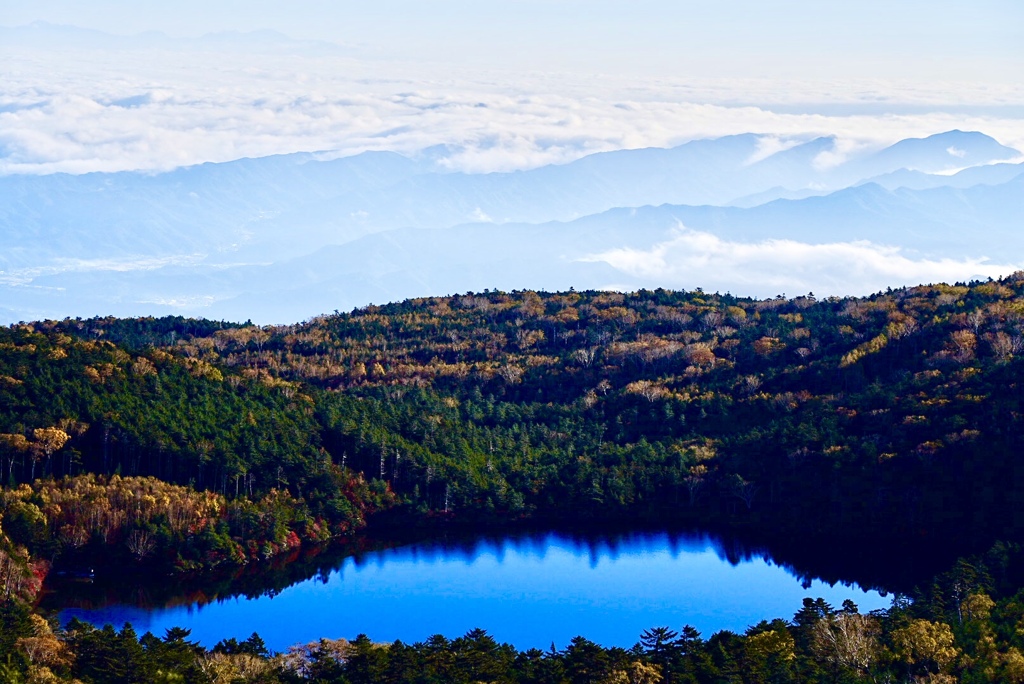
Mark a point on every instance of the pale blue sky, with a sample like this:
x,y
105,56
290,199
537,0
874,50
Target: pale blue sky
x,y
980,39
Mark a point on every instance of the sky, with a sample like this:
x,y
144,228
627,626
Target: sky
x,y
507,85
935,40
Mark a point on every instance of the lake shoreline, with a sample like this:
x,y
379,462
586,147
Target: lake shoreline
x,y
576,581
886,567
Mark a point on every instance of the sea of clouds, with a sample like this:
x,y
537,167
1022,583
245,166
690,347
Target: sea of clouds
x,y
767,268
153,107
161,104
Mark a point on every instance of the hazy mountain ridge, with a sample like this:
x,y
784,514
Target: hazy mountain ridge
x,y
287,237
407,262
211,207
235,204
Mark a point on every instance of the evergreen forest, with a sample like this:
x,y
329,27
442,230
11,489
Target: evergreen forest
x,y
183,446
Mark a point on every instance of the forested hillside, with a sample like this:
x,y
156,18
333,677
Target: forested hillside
x,y
843,415
185,444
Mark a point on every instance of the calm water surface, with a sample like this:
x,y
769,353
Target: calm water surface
x,y
531,591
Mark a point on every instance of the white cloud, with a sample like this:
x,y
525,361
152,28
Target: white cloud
x,y
842,150
24,276
186,303
764,269
768,145
480,216
106,111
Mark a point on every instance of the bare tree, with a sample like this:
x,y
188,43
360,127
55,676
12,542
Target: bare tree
x,y
585,357
744,490
12,446
140,543
847,640
512,374
695,481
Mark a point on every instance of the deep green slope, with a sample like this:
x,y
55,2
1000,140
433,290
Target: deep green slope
x,y
895,414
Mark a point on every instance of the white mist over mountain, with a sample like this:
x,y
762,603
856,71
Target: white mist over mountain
x,y
78,100
241,161
288,237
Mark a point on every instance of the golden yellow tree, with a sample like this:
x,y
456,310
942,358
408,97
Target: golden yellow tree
x,y
48,441
12,446
927,645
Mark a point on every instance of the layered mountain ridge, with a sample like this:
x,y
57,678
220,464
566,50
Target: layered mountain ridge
x,y
287,237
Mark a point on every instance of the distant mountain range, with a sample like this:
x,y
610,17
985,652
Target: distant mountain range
x,y
286,237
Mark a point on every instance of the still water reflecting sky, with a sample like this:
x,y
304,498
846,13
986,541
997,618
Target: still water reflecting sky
x,y
530,591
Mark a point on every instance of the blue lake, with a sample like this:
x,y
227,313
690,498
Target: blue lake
x,y
531,591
